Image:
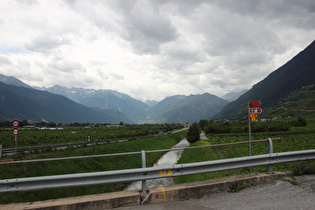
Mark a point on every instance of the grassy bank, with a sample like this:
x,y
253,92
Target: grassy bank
x,y
84,165
298,138
199,155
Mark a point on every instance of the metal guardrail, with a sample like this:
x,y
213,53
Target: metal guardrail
x,y
134,153
83,179
69,145
143,174
57,146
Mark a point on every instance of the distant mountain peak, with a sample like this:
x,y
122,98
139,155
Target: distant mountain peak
x,y
10,80
292,76
151,103
232,96
182,109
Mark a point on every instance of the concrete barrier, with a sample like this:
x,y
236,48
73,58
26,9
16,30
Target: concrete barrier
x,y
162,194
200,189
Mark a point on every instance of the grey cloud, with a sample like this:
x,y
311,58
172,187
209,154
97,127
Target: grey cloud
x,y
29,2
287,12
5,61
182,46
116,76
45,43
65,66
185,53
146,28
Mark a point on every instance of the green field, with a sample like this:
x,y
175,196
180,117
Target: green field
x,y
83,165
297,138
70,134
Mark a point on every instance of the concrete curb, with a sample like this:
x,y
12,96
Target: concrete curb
x,y
100,201
162,194
200,189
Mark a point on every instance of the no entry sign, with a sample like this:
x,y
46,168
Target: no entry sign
x,y
15,123
15,131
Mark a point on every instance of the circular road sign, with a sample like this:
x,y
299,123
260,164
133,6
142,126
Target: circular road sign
x,y
15,123
15,131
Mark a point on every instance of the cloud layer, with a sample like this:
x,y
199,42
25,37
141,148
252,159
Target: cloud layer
x,y
152,49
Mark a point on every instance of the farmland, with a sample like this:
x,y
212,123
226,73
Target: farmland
x,y
83,165
70,134
297,138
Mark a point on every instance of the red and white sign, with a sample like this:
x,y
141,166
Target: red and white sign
x,y
254,104
255,110
15,123
15,131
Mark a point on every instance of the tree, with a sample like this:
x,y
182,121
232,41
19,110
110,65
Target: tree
x,y
301,121
203,124
193,133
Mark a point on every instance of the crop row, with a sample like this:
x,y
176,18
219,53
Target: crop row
x,y
288,142
34,137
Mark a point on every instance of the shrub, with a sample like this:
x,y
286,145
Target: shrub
x,y
304,168
299,122
218,128
193,133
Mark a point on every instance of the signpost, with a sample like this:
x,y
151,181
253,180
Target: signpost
x,y
255,104
15,123
253,110
15,132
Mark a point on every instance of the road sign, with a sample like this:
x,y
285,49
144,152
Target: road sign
x,y
255,110
15,131
254,104
253,115
15,123
252,119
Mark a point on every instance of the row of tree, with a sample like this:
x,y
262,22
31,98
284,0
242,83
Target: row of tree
x,y
211,127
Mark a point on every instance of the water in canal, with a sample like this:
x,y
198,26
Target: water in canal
x,y
170,158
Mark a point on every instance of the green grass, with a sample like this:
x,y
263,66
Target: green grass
x,y
236,187
84,165
292,181
298,138
33,137
199,155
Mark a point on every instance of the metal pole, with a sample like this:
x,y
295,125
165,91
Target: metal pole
x,y
15,147
250,135
270,151
0,150
144,187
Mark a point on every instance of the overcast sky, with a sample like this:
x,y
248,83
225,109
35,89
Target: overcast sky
x,y
152,49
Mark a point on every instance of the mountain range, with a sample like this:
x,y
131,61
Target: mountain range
x,y
66,105
277,86
181,109
27,103
134,109
48,104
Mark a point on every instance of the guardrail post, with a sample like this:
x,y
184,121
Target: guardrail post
x,y
270,151
144,187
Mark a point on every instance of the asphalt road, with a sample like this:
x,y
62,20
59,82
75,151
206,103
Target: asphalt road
x,y
278,195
